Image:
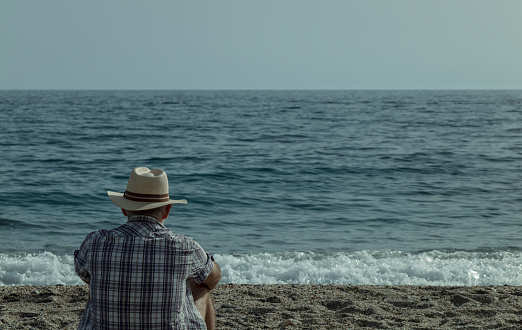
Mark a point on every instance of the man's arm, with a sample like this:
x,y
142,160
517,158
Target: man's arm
x,y
214,277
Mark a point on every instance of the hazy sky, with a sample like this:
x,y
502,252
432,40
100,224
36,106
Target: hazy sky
x,y
284,44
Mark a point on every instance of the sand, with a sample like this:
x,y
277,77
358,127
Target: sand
x,y
297,307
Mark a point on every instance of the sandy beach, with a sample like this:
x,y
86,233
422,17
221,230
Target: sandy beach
x,y
297,307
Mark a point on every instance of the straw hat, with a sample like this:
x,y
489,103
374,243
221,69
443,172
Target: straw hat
x,y
146,189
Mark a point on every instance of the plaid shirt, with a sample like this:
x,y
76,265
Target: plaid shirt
x,y
138,277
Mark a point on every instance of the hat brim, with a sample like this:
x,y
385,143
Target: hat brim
x,y
122,202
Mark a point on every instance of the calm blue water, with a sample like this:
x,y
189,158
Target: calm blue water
x,y
380,177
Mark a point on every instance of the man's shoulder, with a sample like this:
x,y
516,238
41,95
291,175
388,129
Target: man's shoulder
x,y
97,234
185,241
179,237
181,241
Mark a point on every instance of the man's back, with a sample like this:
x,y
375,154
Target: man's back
x,y
138,276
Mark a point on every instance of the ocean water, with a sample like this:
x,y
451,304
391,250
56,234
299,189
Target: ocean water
x,y
343,187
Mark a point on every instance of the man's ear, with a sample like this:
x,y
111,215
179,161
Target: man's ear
x,y
167,211
124,212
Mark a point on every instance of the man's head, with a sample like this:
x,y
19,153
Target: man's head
x,y
146,190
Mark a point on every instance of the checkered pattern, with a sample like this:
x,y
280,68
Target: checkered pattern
x,y
138,277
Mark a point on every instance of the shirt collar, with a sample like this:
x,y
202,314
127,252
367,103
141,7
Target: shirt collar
x,y
143,218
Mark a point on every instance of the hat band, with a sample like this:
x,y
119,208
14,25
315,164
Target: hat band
x,y
146,198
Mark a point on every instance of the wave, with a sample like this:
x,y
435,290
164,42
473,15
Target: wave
x,y
37,269
438,268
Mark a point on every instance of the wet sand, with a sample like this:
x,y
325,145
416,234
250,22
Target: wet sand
x,y
297,307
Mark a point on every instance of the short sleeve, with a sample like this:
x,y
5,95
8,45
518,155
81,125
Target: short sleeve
x,y
81,257
202,263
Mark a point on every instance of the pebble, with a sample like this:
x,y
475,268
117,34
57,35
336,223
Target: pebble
x,y
28,322
229,306
288,322
274,300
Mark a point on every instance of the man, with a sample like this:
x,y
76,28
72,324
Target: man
x,y
142,275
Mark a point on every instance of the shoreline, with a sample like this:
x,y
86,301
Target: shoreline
x,y
296,306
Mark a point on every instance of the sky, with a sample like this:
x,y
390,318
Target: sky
x,y
239,44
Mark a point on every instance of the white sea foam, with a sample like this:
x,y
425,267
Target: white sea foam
x,y
386,268
37,269
362,267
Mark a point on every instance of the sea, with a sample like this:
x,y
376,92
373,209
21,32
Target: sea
x,y
379,187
